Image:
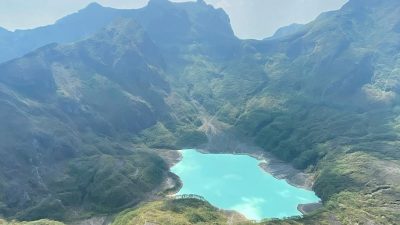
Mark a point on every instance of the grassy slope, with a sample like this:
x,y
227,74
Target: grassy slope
x,y
173,212
39,222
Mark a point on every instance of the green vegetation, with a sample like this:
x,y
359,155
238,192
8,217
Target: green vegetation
x,y
191,138
173,212
159,137
39,222
76,119
73,156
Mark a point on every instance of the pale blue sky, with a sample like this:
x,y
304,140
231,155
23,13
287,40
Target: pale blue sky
x,y
250,18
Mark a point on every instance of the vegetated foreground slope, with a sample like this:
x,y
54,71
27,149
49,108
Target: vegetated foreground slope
x,y
322,97
66,111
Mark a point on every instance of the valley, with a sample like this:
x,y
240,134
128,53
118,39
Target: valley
x,y
89,121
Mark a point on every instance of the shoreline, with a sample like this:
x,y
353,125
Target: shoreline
x,y
277,168
173,157
281,171
309,208
269,164
172,183
222,139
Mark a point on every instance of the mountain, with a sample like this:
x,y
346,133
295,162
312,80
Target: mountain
x,y
74,27
65,106
323,98
81,107
328,103
81,25
79,118
287,31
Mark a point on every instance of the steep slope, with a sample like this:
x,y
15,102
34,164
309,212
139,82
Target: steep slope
x,y
76,109
192,22
196,25
67,111
325,67
324,98
71,28
286,31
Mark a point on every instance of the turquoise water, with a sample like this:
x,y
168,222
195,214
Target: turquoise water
x,y
236,182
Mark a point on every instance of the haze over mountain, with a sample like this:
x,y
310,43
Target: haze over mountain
x,y
255,19
79,117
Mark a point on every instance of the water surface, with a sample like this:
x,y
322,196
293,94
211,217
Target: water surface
x,y
236,182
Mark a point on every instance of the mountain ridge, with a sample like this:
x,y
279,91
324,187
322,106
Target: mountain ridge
x,y
68,103
323,98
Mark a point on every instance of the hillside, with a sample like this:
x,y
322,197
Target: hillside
x,y
70,113
71,28
79,117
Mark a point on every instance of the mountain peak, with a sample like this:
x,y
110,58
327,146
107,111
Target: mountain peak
x,y
94,5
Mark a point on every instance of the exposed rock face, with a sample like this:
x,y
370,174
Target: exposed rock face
x,y
75,117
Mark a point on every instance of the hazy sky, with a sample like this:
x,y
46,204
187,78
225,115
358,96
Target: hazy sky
x,y
250,18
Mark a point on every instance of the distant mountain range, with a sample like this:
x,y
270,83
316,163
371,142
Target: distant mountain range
x,y
84,101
